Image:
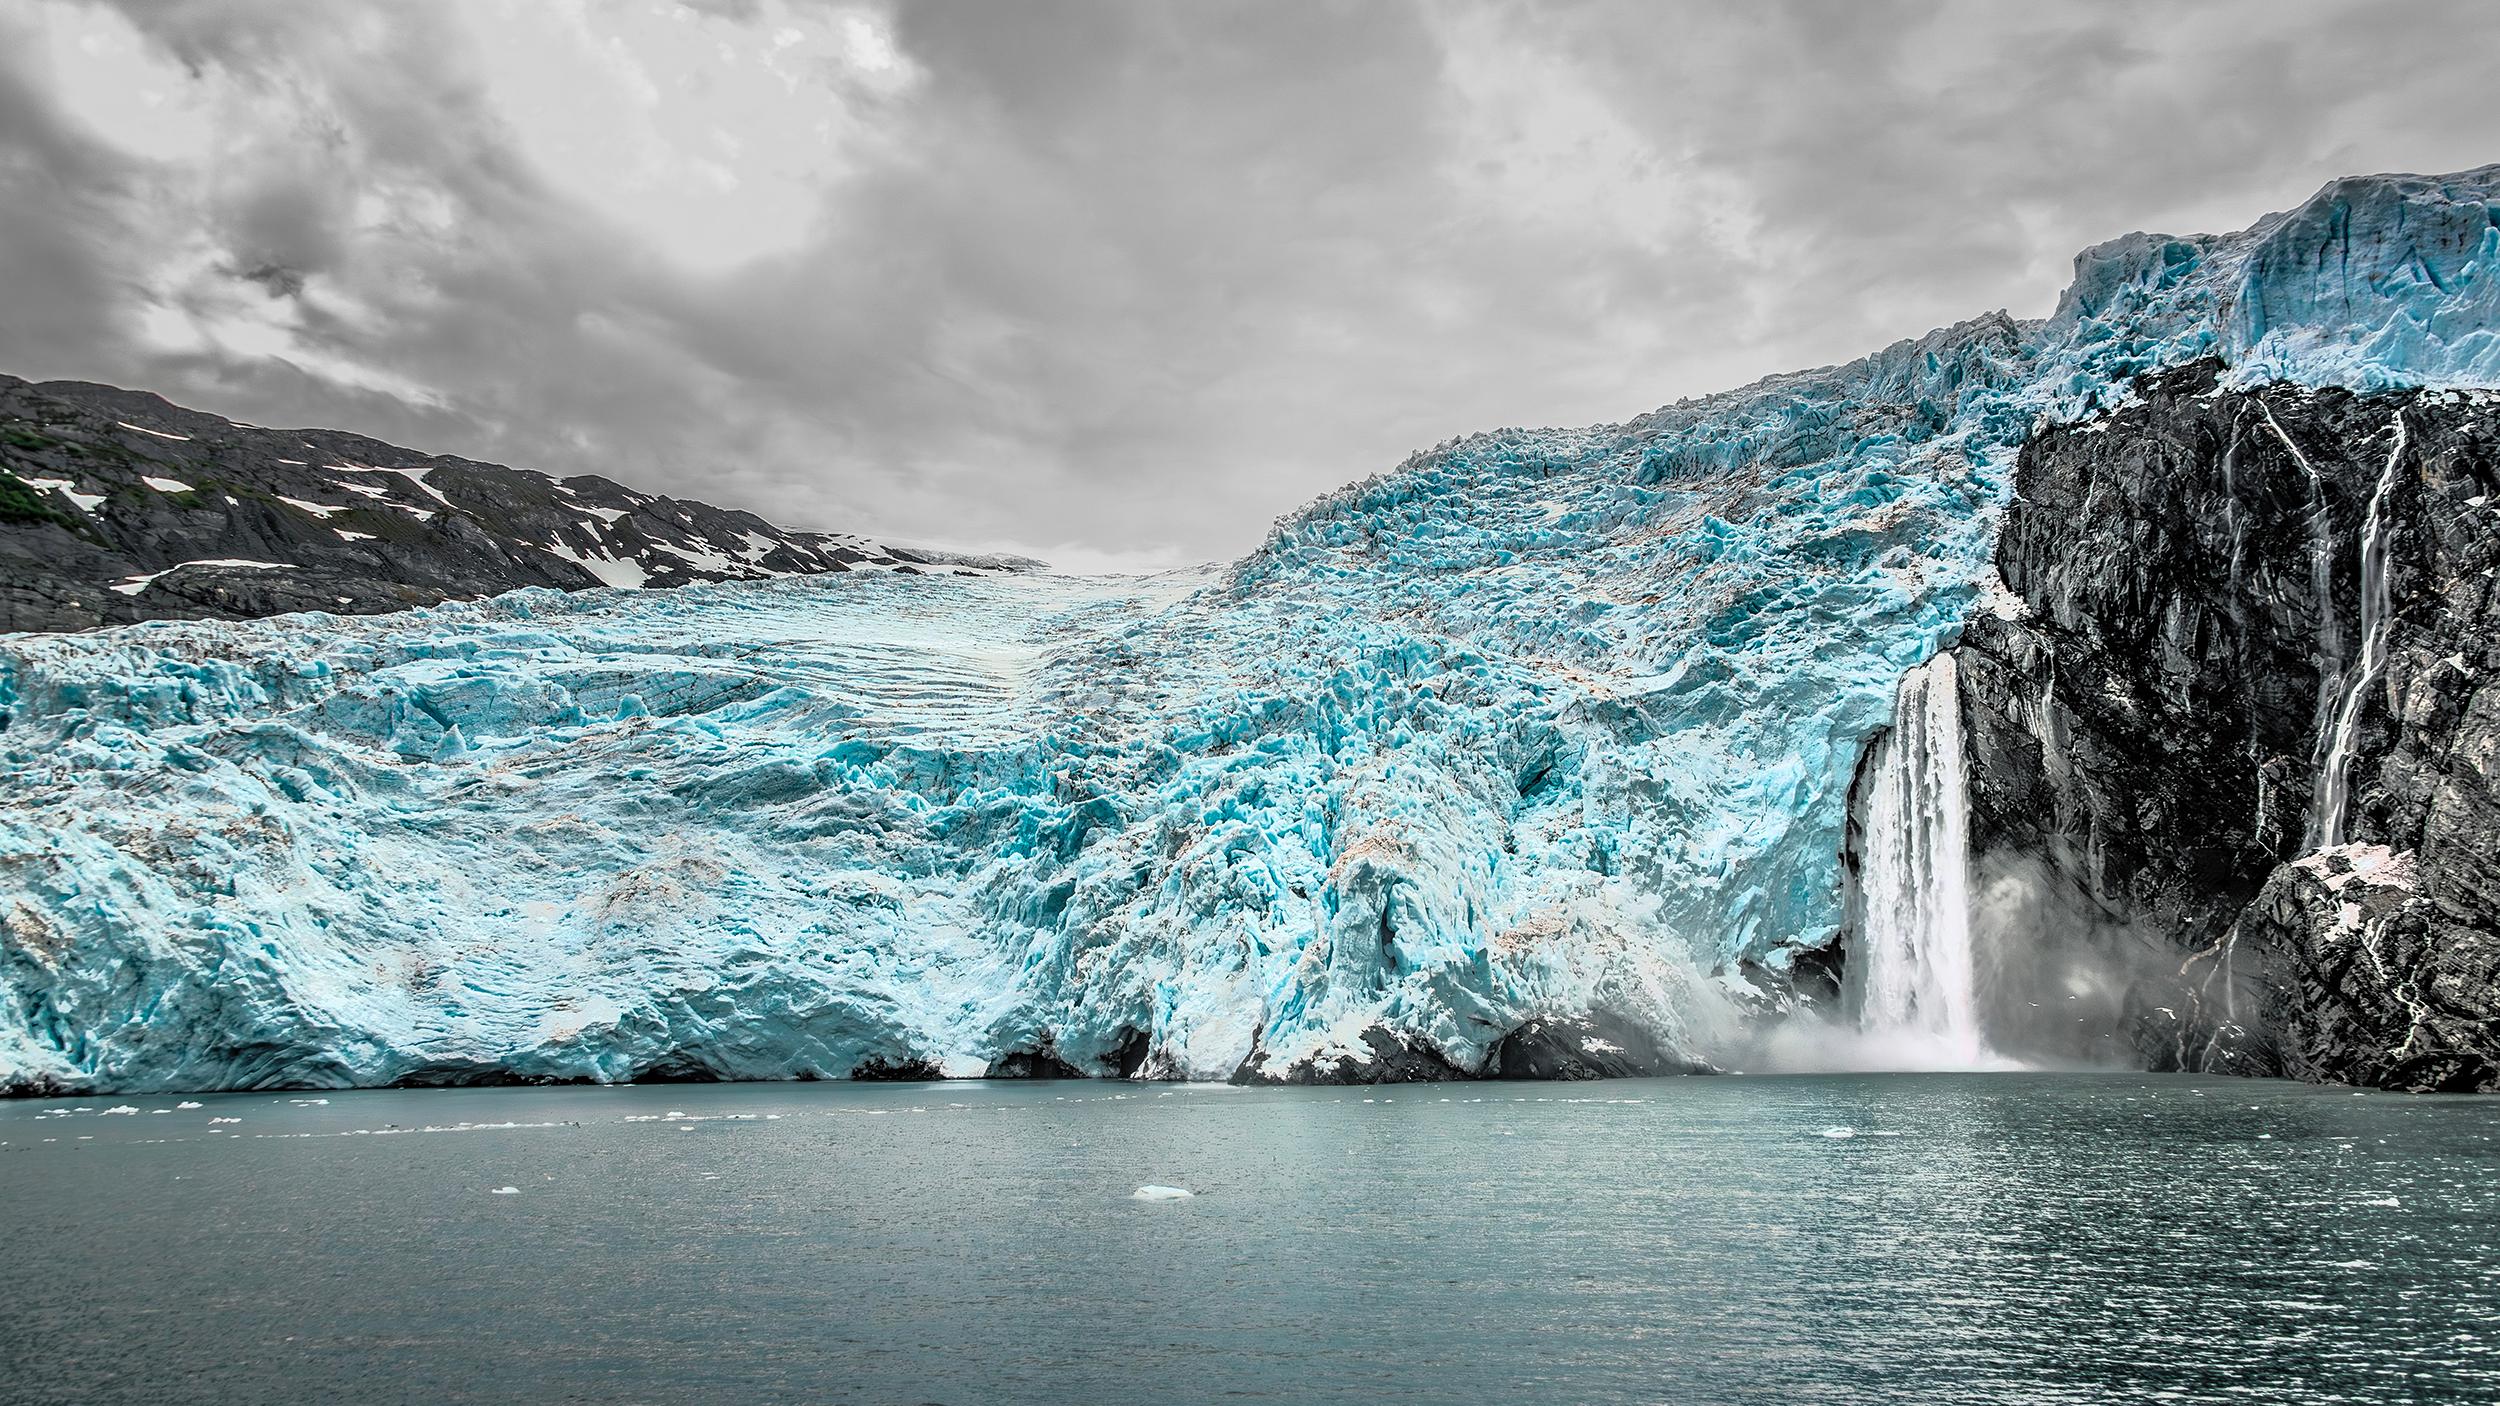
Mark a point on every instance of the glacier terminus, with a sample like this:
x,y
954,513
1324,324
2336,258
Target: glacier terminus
x,y
1534,755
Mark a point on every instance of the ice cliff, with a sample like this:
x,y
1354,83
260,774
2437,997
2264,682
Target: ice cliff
x,y
1531,756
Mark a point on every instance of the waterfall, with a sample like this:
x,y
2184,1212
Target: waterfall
x,y
2322,589
1915,929
2232,526
2334,788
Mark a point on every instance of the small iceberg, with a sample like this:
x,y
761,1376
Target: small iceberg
x,y
1840,1132
505,1191
186,1104
1161,1193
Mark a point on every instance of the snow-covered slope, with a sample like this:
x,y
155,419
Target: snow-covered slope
x,y
1531,755
116,506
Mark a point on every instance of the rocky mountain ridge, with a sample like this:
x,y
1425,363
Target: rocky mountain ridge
x,y
117,506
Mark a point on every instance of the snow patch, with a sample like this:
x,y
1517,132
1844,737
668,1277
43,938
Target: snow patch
x,y
67,488
133,585
2375,866
625,575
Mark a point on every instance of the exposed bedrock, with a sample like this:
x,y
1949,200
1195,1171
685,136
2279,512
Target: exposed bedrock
x,y
116,506
1596,1045
2234,758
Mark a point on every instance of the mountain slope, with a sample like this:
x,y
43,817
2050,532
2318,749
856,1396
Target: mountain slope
x,y
116,507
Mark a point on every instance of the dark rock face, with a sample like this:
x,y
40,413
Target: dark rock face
x,y
1393,1061
1042,1062
465,1074
1594,1046
116,507
2377,988
2157,785
1590,1047
879,1069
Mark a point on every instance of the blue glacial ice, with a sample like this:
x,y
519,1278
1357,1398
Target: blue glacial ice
x,y
1542,725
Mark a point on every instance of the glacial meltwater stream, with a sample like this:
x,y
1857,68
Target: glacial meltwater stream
x,y
1927,1238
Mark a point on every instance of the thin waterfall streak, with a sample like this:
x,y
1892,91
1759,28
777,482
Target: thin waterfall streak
x,y
1921,976
2322,589
2232,525
2335,770
2235,524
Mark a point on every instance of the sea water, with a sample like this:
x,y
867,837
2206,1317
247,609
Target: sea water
x,y
1931,1238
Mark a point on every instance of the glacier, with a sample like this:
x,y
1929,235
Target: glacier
x,y
1543,734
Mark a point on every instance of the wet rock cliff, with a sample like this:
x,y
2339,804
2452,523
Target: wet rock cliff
x,y
2234,734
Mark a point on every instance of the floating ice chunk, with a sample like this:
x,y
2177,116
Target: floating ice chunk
x,y
505,1191
186,1103
213,1122
2383,1201
1151,1192
1840,1132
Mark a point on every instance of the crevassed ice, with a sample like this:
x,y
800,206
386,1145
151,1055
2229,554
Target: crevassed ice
x,y
1539,724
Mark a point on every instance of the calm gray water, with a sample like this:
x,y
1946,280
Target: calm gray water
x,y
1997,1238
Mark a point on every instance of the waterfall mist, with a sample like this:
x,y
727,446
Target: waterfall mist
x,y
1958,959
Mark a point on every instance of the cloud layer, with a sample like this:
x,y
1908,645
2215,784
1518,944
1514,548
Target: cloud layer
x,y
1112,283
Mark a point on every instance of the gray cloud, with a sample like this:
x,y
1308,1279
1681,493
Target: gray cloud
x,y
1113,281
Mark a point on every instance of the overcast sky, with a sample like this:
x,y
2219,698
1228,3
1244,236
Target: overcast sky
x,y
1114,284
